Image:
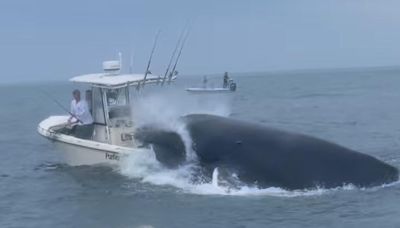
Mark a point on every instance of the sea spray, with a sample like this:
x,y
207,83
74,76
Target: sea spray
x,y
142,164
169,106
165,110
214,180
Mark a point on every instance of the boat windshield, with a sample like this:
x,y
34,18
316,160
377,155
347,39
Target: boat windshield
x,y
116,97
118,102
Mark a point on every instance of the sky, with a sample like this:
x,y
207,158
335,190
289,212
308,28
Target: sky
x,y
54,40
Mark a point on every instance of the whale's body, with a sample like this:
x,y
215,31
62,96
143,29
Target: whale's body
x,y
268,157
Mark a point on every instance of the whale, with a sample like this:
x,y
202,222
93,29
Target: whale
x,y
266,157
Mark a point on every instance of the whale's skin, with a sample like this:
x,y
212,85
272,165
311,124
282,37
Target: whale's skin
x,y
267,157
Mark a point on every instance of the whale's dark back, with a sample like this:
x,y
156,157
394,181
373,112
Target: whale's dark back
x,y
267,157
270,157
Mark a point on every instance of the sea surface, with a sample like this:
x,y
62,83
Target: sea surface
x,y
357,108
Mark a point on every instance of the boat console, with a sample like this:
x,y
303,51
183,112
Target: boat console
x,y
110,103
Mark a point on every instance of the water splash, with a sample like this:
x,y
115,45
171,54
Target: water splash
x,y
165,109
214,180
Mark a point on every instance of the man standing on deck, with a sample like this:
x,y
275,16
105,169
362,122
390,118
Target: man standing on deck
x,y
81,116
205,81
225,82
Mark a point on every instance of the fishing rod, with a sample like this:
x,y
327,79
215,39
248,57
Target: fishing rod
x,y
172,58
179,55
61,106
149,62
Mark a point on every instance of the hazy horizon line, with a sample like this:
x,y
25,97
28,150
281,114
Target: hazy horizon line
x,y
240,74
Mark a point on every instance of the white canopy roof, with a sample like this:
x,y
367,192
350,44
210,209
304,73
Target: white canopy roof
x,y
111,81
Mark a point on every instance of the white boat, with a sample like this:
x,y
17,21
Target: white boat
x,y
208,90
231,87
111,110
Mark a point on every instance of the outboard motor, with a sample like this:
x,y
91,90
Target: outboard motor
x,y
232,86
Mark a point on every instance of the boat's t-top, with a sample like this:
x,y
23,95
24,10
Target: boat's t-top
x,y
110,104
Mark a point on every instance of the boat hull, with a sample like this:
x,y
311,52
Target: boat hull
x,y
76,155
76,151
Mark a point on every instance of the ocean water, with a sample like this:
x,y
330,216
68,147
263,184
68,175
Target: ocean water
x,y
357,108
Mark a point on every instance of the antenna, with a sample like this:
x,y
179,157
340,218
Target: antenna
x,y
149,62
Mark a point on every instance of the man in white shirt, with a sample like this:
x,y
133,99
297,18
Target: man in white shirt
x,y
80,115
